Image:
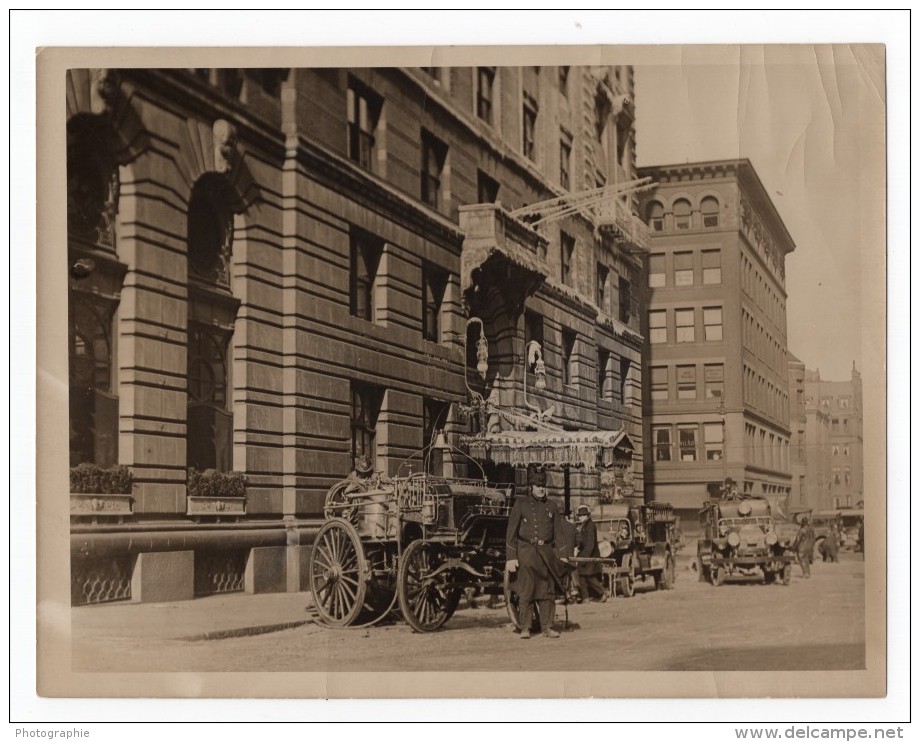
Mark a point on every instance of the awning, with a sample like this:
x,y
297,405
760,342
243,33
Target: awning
x,y
588,449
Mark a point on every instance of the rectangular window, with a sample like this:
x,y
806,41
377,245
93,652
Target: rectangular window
x,y
603,361
434,280
434,154
712,267
656,271
661,435
686,382
712,323
486,188
565,161
658,376
533,328
568,357
657,326
567,250
686,332
365,409
363,114
712,440
485,79
528,142
686,435
564,81
601,298
683,269
714,378
434,418
625,365
625,300
365,259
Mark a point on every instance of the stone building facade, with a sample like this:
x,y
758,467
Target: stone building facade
x,y
274,272
717,387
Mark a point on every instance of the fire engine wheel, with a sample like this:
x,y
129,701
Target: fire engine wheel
x,y
426,601
627,582
787,573
338,573
665,580
716,575
336,503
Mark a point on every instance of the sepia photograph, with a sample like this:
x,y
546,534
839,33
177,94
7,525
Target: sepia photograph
x,y
462,372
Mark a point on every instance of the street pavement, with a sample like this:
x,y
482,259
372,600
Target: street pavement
x,y
816,624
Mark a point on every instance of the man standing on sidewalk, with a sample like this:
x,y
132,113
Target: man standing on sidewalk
x,y
533,526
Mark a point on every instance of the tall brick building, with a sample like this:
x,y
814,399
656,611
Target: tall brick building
x,y
276,271
717,389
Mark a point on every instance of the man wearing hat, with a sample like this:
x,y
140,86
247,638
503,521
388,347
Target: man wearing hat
x,y
586,543
533,527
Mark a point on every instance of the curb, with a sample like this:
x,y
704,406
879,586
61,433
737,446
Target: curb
x,y
245,631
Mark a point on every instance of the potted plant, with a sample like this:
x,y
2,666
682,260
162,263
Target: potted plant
x,y
212,492
95,490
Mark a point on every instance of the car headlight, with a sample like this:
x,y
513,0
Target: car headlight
x,y
734,539
771,538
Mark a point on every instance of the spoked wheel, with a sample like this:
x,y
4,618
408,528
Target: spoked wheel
x,y
665,581
338,573
716,574
336,505
627,581
426,601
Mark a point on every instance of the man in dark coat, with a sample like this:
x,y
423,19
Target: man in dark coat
x,y
534,526
588,574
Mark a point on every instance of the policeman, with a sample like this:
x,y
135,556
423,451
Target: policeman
x,y
533,526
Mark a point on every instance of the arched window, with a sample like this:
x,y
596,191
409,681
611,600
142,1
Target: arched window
x,y
682,214
211,314
655,216
709,207
95,280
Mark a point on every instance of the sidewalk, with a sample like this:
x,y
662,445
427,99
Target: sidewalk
x,y
212,617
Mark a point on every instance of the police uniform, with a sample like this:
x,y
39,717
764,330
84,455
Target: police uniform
x,y
533,528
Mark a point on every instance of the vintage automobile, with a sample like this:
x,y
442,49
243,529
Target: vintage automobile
x,y
739,537
850,522
417,541
637,543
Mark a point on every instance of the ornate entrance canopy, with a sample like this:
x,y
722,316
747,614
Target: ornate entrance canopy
x,y
591,450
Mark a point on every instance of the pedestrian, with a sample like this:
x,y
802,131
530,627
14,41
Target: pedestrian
x,y
804,546
533,527
830,545
587,546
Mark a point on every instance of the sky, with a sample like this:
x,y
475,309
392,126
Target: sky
x,y
811,120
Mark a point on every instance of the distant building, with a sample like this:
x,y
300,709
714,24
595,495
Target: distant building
x,y
835,458
275,272
798,425
716,387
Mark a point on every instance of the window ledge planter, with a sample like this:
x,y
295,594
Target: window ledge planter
x,y
215,493
96,492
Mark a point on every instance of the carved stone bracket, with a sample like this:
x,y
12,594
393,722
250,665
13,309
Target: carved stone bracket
x,y
225,138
